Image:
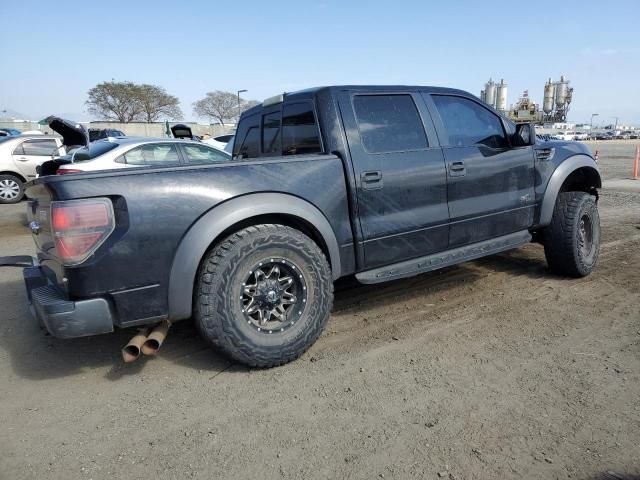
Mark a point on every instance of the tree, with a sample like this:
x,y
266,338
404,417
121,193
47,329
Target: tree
x,y
114,101
246,105
128,101
221,106
157,104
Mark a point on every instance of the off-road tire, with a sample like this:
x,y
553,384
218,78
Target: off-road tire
x,y
15,181
562,238
218,307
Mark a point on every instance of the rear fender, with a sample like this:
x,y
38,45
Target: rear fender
x,y
210,226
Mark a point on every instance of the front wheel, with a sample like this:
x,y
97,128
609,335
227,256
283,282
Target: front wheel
x,y
572,240
263,295
11,189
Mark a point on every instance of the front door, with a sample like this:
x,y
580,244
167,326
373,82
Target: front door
x,y
400,176
490,183
31,153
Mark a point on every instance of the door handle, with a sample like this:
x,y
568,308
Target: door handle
x,y
457,169
23,159
371,180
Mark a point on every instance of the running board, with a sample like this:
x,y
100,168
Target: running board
x,y
447,258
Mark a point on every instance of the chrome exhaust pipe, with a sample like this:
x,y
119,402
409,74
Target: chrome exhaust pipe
x,y
156,338
131,351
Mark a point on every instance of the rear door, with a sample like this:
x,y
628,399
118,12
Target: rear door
x,y
32,152
400,175
490,184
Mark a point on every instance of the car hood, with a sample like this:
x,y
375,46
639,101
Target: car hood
x,y
73,134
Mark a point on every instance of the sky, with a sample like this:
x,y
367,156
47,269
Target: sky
x,y
55,51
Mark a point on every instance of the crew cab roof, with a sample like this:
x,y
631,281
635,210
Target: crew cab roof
x,y
310,93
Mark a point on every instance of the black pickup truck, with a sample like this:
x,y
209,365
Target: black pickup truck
x,y
380,182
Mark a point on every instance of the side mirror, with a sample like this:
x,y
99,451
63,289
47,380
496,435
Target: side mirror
x,y
525,135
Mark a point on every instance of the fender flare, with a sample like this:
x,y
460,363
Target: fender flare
x,y
560,174
205,230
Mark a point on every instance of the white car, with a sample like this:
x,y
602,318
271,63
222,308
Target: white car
x,y
565,135
220,141
580,136
20,156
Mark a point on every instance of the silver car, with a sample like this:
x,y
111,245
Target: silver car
x,y
136,152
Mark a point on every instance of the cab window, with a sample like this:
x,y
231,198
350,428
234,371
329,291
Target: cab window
x,y
247,141
467,123
300,133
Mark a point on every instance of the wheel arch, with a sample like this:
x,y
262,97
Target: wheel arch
x,y
236,214
14,174
578,173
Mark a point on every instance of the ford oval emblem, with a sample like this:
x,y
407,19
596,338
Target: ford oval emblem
x,y
35,227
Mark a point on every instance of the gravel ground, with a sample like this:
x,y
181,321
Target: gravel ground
x,y
491,369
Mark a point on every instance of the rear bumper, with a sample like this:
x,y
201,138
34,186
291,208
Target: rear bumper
x,y
66,318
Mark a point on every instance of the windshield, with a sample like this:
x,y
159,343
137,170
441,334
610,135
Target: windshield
x,y
95,150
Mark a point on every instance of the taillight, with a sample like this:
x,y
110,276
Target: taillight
x,y
64,171
80,226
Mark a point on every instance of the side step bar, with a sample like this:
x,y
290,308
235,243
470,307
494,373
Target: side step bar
x,y
447,258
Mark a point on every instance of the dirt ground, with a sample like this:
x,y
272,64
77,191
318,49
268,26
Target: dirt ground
x,y
494,369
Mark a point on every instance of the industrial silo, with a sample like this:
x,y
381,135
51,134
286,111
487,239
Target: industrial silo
x,y
547,103
501,96
562,90
490,93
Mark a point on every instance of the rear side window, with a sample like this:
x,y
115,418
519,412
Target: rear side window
x,y
271,133
300,134
389,123
201,155
468,123
41,148
95,150
247,142
157,154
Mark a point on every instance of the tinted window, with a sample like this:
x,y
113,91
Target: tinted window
x,y
95,150
389,123
299,130
223,138
467,123
43,148
201,155
271,133
247,139
157,154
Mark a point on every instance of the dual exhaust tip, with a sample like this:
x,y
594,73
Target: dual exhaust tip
x,y
147,342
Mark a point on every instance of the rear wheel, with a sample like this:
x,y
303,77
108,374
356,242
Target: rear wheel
x,y
263,295
11,189
572,241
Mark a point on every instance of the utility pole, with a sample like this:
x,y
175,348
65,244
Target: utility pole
x,y
615,127
239,92
591,129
